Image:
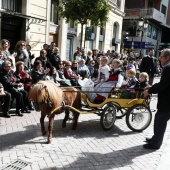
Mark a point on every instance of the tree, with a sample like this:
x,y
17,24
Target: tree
x,y
83,11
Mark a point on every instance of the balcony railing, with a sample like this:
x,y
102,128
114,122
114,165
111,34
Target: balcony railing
x,y
150,13
116,3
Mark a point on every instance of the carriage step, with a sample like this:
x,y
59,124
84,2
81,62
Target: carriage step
x,y
86,109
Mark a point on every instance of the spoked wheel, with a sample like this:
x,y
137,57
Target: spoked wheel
x,y
108,117
138,117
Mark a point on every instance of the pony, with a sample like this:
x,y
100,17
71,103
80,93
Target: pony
x,y
51,99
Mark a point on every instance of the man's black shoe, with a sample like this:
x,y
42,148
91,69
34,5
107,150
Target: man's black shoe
x,y
150,146
25,110
30,107
148,140
7,115
18,112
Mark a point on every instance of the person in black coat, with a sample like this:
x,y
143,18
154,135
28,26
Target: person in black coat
x,y
148,64
44,59
163,113
5,101
13,85
55,58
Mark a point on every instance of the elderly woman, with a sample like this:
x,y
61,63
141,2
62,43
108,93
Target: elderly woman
x,y
83,70
13,85
23,75
38,73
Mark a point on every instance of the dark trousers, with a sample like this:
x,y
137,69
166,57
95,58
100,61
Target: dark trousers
x,y
21,98
151,78
160,123
6,103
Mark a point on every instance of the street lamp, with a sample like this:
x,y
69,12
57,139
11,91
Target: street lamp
x,y
143,25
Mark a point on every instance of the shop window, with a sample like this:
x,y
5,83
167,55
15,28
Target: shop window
x,y
12,5
54,13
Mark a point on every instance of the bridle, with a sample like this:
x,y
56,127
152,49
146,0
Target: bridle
x,y
45,103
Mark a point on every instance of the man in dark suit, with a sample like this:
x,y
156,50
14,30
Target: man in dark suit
x,y
148,65
163,113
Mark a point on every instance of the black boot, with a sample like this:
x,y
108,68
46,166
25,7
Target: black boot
x,y
25,110
31,107
18,112
7,115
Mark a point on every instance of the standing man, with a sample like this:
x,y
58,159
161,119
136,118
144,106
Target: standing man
x,y
163,113
55,58
148,65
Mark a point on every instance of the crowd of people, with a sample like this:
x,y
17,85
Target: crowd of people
x,y
21,69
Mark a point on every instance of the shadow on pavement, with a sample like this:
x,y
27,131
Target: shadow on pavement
x,y
85,129
115,159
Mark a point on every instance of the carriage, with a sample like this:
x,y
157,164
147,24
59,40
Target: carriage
x,y
50,99
120,103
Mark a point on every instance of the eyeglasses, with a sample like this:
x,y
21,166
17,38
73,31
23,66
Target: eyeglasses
x,y
74,63
22,45
8,66
92,63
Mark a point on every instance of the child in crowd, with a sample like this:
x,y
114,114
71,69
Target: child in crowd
x,y
131,77
115,81
143,82
103,71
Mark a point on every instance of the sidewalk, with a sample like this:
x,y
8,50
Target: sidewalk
x,y
88,147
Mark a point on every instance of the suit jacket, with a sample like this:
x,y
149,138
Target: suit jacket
x,y
7,80
163,90
148,65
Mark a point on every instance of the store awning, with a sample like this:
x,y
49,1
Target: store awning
x,y
17,14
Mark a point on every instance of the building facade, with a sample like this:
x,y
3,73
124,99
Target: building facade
x,y
156,13
37,23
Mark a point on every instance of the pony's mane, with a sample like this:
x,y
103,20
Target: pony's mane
x,y
45,86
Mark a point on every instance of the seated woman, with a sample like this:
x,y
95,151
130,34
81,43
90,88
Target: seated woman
x,y
38,73
69,74
14,86
115,80
83,70
91,68
60,76
21,74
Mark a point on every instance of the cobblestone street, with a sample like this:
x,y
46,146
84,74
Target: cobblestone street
x,y
88,147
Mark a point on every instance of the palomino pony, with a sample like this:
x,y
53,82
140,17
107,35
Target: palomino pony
x,y
47,96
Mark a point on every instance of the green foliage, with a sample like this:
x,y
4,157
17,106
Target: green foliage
x,y
84,10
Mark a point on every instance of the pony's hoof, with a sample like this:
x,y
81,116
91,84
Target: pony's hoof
x,y
44,133
49,142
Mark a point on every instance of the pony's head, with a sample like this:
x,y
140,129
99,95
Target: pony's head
x,y
45,94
